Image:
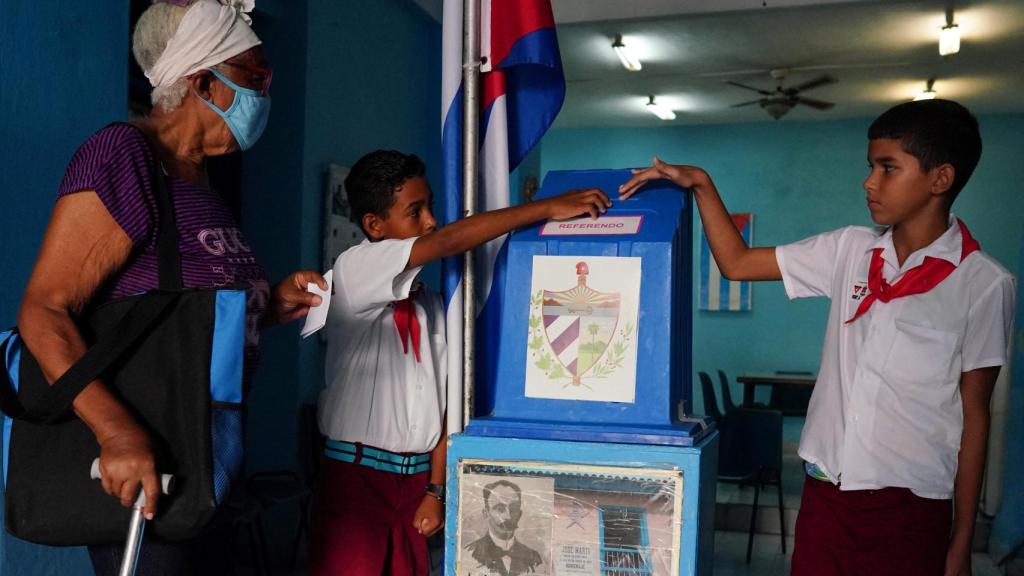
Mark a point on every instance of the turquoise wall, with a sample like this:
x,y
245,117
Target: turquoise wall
x,y
1008,527
273,220
346,82
798,179
51,99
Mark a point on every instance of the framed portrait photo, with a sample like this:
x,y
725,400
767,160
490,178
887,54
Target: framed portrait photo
x,y
554,519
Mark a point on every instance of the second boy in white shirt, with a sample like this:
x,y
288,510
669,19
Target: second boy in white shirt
x,y
381,490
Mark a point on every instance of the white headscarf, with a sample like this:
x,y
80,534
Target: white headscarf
x,y
210,32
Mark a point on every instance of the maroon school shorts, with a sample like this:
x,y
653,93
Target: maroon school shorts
x,y
869,532
362,522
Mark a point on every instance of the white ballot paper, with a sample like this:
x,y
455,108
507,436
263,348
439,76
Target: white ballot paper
x,y
317,317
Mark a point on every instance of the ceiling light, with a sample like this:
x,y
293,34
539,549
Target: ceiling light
x,y
660,110
776,107
949,40
928,93
949,36
626,56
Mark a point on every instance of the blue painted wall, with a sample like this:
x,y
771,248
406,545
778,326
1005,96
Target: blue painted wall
x,y
51,100
373,80
798,179
346,82
273,220
1008,527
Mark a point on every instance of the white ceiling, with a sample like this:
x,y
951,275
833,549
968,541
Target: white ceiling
x,y
570,11
882,53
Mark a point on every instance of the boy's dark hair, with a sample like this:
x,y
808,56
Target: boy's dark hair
x,y
374,178
935,132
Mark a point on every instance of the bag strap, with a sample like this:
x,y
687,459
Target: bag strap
x,y
168,259
57,399
8,398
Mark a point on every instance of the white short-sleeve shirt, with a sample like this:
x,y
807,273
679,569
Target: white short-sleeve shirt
x,y
376,393
886,408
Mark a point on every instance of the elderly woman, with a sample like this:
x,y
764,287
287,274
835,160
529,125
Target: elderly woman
x,y
210,80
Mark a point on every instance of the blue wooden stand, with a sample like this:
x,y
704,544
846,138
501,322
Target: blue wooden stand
x,y
697,464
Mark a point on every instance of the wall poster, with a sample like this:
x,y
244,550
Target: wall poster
x,y
547,519
582,331
339,231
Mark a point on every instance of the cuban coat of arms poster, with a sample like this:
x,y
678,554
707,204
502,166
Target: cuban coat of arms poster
x,y
582,331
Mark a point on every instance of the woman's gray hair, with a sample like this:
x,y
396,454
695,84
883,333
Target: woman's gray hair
x,y
153,31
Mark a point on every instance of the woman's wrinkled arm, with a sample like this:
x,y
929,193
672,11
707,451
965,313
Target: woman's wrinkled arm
x,y
83,247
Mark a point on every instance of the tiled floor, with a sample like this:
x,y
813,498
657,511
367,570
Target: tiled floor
x,y
767,558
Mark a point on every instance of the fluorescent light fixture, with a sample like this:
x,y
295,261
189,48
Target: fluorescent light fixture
x,y
949,40
929,91
629,60
660,110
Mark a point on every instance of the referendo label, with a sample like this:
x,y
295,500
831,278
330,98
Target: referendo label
x,y
586,226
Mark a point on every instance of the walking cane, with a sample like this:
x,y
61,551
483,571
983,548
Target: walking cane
x,y
133,543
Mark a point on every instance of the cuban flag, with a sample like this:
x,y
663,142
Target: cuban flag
x,y
522,89
716,291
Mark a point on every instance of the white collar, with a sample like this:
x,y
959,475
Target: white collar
x,y
948,246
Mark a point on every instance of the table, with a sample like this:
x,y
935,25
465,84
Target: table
x,y
753,380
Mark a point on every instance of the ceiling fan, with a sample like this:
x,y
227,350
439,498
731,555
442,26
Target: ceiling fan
x,y
779,102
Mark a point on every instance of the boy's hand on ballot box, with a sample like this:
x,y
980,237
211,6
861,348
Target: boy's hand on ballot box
x,y
575,202
685,176
429,517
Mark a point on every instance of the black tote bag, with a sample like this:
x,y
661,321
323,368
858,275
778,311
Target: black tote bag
x,y
174,358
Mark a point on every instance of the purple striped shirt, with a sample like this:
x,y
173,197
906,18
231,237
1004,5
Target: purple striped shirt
x,y
116,163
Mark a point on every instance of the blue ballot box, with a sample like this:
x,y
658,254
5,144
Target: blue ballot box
x,y
577,460
595,323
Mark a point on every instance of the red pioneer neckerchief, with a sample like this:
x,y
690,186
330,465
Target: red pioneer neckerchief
x,y
407,324
917,280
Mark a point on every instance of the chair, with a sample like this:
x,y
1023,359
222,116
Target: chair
x,y
750,453
723,383
710,401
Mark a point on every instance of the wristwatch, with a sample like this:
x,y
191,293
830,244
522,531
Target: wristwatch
x,y
437,491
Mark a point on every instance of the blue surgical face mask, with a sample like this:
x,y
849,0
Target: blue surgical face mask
x,y
247,116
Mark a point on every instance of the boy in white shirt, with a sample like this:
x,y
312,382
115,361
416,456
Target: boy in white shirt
x,y
895,436
382,485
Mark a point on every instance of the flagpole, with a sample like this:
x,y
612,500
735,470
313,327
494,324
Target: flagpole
x,y
470,151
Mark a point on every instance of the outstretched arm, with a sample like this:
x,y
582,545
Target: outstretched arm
x,y
735,259
471,232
